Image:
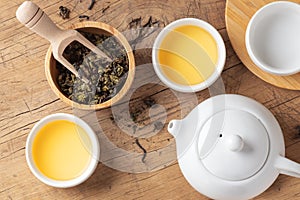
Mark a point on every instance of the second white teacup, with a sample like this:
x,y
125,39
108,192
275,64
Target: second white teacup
x,y
273,38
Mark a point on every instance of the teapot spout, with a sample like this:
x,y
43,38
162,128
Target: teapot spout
x,y
174,127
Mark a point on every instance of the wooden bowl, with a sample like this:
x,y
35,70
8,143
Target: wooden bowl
x,y
96,28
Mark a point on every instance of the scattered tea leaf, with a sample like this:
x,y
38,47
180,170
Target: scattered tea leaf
x,y
91,4
145,30
64,12
83,17
104,9
143,149
135,23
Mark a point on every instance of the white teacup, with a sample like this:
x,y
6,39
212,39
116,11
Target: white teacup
x,y
221,51
94,151
273,38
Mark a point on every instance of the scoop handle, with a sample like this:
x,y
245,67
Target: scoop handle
x,y
36,20
287,167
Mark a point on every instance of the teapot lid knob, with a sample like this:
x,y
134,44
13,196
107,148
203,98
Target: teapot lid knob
x,y
235,142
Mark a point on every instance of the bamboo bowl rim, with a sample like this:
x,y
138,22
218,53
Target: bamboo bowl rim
x,y
131,71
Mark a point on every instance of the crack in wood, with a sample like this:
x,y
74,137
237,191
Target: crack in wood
x,y
2,136
154,173
234,66
35,109
13,58
6,189
24,129
16,43
10,154
27,106
284,102
292,144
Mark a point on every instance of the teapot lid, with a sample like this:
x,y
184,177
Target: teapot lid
x,y
233,144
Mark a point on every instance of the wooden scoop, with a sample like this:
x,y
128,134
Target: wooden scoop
x,y
36,20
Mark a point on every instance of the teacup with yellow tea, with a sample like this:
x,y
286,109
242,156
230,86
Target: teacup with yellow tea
x,y
188,55
62,150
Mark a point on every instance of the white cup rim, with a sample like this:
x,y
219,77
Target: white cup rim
x,y
221,55
94,158
253,21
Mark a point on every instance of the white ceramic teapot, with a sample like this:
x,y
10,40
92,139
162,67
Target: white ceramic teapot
x,y
231,147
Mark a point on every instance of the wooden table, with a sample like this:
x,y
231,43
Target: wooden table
x,y
26,97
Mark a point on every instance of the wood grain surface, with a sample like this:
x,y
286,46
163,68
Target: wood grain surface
x,y
238,14
26,97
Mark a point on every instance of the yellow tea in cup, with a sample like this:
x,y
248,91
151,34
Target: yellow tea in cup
x,y
61,150
188,55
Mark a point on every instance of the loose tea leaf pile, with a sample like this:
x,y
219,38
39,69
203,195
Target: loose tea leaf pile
x,y
106,79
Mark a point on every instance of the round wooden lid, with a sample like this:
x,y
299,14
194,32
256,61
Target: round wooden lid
x,y
238,14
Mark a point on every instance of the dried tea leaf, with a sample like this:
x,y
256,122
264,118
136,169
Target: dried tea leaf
x,y
106,79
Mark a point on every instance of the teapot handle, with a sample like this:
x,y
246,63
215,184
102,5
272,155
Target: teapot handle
x,y
287,166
